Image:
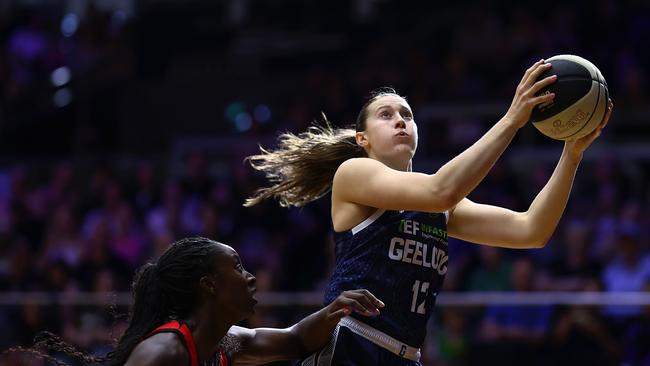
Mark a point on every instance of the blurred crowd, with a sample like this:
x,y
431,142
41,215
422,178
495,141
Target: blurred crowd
x,y
94,79
90,103
75,228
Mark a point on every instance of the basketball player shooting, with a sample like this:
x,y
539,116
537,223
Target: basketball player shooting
x,y
392,224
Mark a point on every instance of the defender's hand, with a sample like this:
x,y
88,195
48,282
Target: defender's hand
x,y
362,301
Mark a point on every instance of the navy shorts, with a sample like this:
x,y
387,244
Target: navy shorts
x,y
347,349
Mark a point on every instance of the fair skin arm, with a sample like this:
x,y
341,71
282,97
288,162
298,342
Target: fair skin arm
x,y
264,345
500,227
368,182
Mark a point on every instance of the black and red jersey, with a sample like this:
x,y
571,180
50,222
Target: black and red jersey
x,y
218,359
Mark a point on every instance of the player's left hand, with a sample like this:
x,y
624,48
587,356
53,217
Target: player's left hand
x,y
578,146
362,301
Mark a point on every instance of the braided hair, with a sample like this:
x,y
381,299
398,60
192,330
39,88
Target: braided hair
x,y
163,290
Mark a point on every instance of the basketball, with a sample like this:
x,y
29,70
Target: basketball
x,y
580,101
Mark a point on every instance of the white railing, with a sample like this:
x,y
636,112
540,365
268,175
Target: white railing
x,y
314,299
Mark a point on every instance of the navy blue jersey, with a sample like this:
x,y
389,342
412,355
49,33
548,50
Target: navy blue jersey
x,y
347,348
401,257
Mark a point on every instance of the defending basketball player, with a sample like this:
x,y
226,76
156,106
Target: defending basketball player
x,y
201,286
391,224
184,311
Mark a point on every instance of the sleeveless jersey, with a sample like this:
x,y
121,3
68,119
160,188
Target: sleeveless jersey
x,y
218,359
401,257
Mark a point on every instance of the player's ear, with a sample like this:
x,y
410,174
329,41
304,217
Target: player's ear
x,y
208,284
361,139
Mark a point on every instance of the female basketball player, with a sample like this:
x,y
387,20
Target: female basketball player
x,y
185,306
200,288
391,224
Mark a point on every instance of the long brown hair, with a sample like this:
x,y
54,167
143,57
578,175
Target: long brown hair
x,y
302,167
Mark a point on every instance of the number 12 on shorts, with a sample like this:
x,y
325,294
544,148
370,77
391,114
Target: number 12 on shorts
x,y
417,289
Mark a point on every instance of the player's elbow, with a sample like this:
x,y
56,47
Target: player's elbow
x,y
534,234
447,199
444,199
444,195
537,240
538,243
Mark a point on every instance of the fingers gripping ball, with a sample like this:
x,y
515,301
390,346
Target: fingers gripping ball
x,y
580,101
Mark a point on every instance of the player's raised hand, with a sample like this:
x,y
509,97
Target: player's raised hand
x,y
525,100
578,146
362,301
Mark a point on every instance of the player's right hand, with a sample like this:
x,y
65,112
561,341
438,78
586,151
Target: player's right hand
x,y
578,146
362,301
525,99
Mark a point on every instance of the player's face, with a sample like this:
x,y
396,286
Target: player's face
x,y
236,286
391,135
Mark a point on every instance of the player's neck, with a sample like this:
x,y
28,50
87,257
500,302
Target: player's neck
x,y
207,333
397,164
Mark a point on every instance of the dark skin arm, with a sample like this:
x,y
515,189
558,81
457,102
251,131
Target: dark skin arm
x,y
263,345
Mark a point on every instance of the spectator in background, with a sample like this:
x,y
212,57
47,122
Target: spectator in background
x,y
128,242
27,50
514,335
606,181
97,257
581,337
62,240
629,270
493,273
144,193
60,190
164,219
449,343
637,338
197,181
22,220
21,275
574,270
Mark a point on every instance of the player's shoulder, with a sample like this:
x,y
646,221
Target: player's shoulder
x,y
356,166
360,162
241,335
162,349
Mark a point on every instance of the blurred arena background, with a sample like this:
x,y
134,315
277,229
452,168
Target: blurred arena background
x,y
123,125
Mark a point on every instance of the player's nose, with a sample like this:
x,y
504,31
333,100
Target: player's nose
x,y
400,123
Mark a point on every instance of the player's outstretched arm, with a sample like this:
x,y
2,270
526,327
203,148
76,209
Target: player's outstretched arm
x,y
370,183
496,226
263,345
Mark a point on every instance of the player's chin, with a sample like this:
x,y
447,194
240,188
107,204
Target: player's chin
x,y
406,150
